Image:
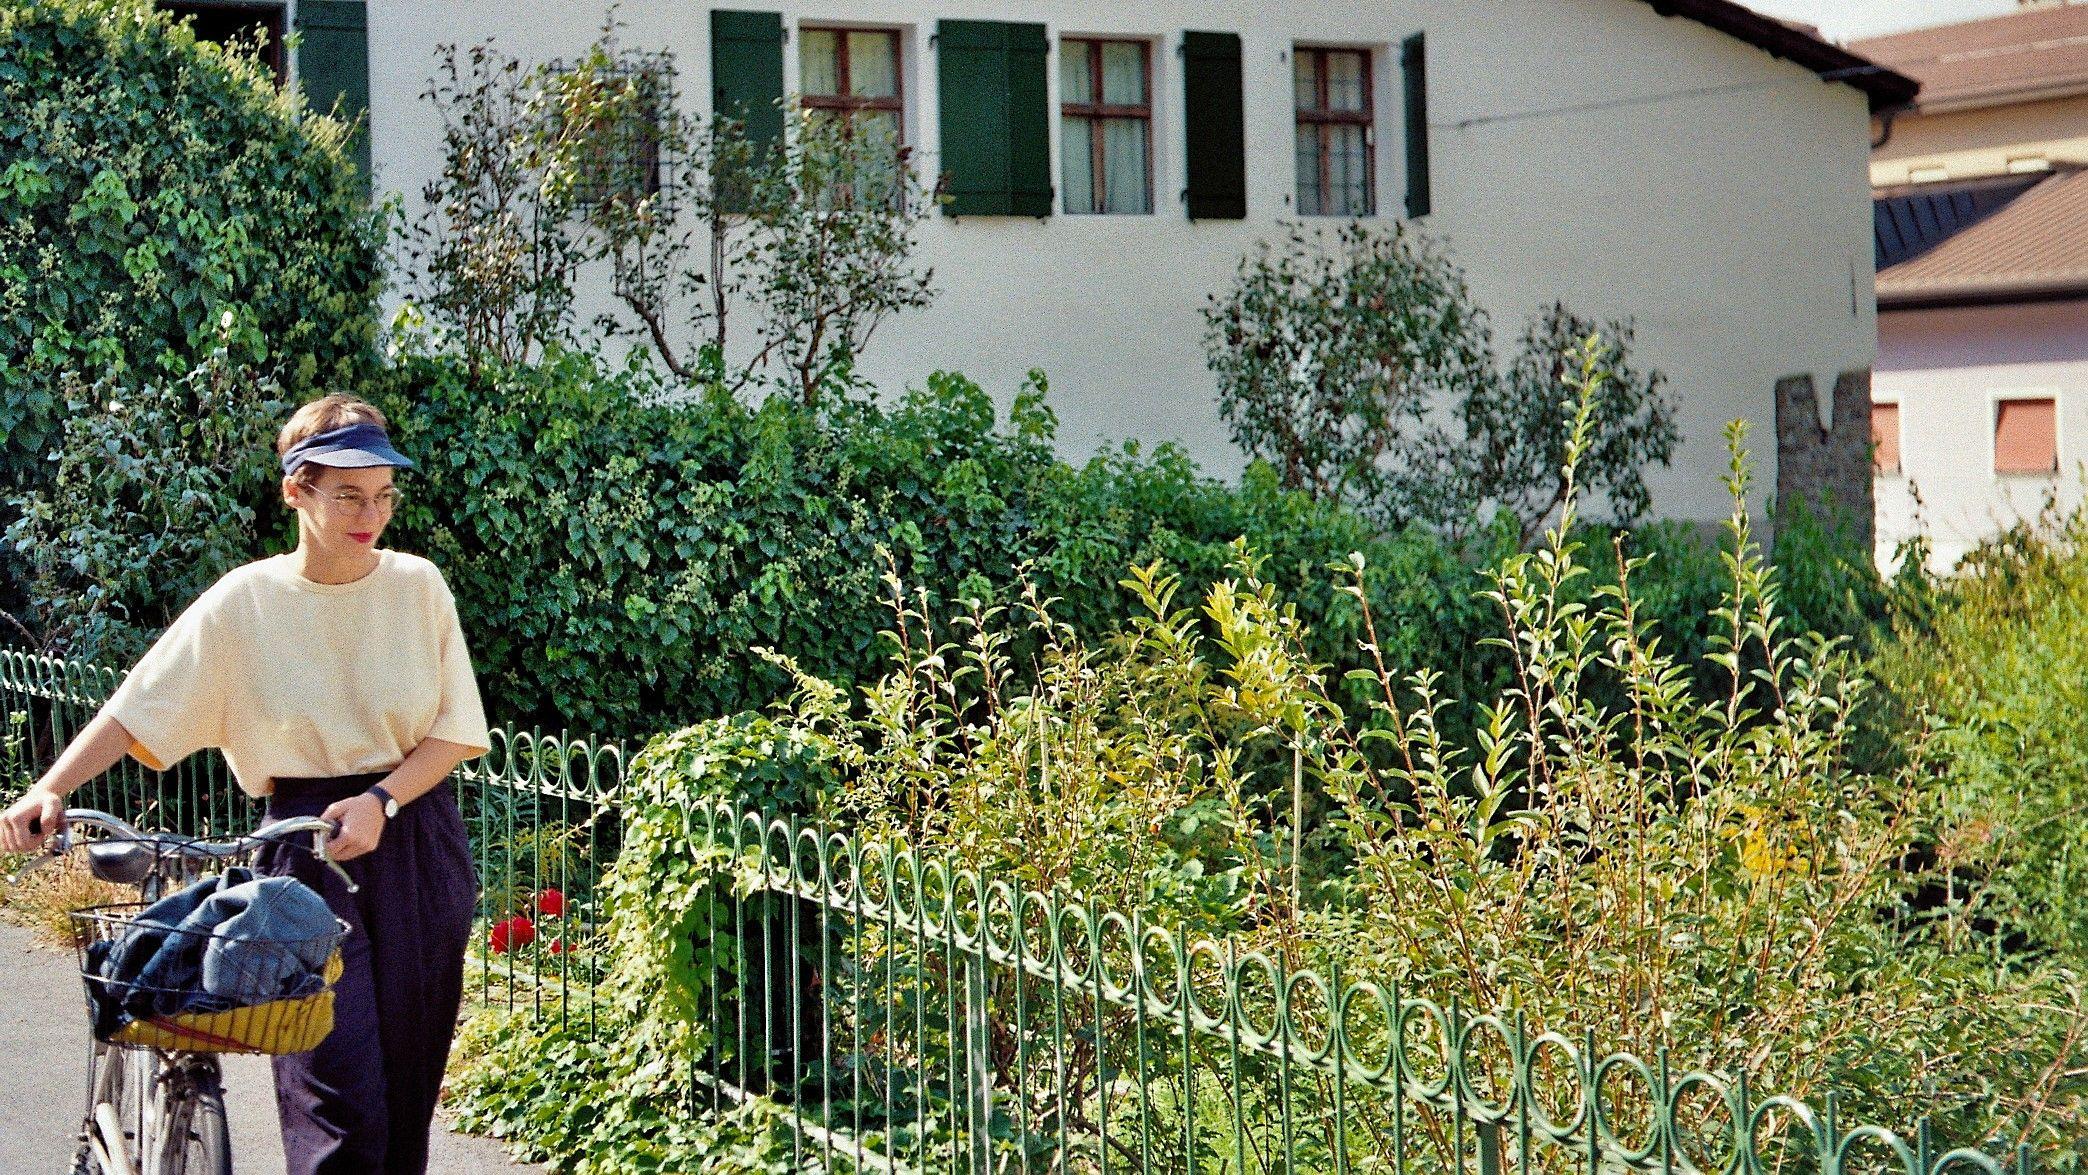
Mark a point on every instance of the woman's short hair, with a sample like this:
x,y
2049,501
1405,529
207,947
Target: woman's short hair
x,y
325,414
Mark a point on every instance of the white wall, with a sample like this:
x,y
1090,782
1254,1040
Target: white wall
x,y
1945,368
1730,215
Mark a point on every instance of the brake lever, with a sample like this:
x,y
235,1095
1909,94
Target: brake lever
x,y
319,840
59,845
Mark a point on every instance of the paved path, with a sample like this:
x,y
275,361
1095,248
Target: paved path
x,y
43,1038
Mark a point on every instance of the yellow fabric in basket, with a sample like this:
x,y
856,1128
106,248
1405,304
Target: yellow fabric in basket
x,y
277,1027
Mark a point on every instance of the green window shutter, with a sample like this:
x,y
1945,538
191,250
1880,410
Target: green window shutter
x,y
1215,126
333,67
747,71
994,119
1413,65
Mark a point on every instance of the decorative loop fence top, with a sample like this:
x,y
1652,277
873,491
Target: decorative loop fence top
x,y
912,1013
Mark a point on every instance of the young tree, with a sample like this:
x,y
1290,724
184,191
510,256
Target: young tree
x,y
1332,351
552,169
1517,425
494,253
1358,365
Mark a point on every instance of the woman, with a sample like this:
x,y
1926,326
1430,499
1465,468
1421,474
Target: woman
x,y
336,682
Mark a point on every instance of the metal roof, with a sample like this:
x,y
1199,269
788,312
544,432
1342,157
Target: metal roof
x,y
2032,248
1909,221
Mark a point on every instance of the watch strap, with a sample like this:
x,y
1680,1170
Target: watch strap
x,y
390,802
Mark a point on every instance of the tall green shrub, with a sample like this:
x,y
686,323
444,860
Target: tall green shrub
x,y
149,185
617,558
1995,659
155,491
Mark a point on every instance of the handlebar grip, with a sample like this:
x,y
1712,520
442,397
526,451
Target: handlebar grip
x,y
36,826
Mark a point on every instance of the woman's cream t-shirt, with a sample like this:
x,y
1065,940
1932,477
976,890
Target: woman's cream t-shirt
x,y
296,679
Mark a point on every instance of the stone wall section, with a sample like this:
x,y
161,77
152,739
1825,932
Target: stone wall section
x,y
1828,462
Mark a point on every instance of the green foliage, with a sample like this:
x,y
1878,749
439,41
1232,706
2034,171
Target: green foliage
x,y
151,185
1699,873
1342,360
610,1087
1517,425
1994,660
1330,356
617,556
154,492
566,170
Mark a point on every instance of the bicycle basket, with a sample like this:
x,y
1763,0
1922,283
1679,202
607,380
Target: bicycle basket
x,y
201,991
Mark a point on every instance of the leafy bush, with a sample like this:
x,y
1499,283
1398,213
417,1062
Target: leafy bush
x,y
1348,360
150,185
1994,660
154,492
606,1090
1698,874
561,170
616,558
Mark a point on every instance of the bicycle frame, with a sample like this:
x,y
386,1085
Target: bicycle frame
x,y
162,1096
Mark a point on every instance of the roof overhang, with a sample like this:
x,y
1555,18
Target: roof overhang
x,y
1887,90
1981,292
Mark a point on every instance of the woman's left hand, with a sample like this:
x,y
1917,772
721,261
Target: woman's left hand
x,y
362,826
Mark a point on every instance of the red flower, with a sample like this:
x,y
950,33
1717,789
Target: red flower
x,y
551,903
558,946
511,934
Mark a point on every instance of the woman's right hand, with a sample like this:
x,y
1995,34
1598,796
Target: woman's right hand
x,y
42,809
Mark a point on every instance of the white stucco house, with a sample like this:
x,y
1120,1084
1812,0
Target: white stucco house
x,y
1981,395
1688,164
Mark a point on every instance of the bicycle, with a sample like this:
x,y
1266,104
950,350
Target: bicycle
x,y
155,1100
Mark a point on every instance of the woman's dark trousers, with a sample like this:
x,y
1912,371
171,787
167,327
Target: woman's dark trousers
x,y
362,1103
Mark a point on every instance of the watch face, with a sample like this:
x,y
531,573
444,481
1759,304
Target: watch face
x,y
391,809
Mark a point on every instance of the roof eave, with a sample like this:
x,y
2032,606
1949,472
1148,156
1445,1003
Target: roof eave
x,y
1982,292
1887,89
2042,91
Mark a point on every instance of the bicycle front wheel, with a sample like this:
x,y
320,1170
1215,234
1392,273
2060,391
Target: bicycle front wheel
x,y
189,1134
209,1147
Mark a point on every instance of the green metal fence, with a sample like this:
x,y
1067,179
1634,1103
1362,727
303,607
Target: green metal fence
x,y
912,1015
541,810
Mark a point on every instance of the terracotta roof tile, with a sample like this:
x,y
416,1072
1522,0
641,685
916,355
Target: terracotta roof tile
x,y
2036,247
2023,56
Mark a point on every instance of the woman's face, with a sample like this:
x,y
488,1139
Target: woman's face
x,y
345,511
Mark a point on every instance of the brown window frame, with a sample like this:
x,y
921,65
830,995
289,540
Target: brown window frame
x,y
1095,108
846,102
1320,117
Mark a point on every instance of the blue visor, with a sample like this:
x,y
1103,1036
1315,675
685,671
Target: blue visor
x,y
354,446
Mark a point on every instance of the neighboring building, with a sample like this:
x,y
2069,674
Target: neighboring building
x,y
1686,163
1980,404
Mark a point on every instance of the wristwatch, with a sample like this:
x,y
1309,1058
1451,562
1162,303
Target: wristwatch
x,y
391,806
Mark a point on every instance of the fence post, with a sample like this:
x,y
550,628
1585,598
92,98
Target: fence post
x,y
1489,1134
978,1055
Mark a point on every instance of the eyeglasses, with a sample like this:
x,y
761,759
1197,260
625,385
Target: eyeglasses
x,y
355,502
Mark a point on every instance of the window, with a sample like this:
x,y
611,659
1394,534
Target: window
x,y
1885,438
619,147
1332,89
1106,120
2026,435
240,24
853,74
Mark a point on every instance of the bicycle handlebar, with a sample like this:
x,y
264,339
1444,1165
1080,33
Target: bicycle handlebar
x,y
279,831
